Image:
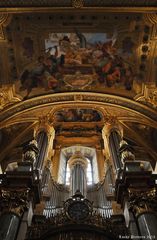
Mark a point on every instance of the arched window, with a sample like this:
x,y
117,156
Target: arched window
x,y
89,173
90,157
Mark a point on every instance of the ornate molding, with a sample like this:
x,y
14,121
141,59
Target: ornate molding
x,y
148,95
15,200
77,3
7,96
68,3
69,98
143,201
150,18
4,21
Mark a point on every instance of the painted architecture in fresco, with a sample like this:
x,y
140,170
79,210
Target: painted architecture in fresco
x,y
77,115
79,62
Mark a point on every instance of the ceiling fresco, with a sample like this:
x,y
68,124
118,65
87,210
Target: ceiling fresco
x,y
53,55
75,72
102,58
78,61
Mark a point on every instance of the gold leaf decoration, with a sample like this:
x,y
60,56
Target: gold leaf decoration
x,y
77,3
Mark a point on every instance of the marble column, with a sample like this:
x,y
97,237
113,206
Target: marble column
x,y
112,134
42,140
44,134
9,224
147,223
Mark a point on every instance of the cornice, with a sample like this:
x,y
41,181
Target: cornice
x,y
75,98
96,9
69,3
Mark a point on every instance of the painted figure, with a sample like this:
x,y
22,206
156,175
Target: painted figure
x,y
70,60
78,115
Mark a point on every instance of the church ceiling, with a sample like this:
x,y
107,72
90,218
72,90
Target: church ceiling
x,y
58,53
79,67
100,55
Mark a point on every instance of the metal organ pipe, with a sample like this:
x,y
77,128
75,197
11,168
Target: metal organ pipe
x,y
78,165
56,194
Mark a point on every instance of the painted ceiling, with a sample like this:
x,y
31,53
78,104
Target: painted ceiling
x,y
53,53
78,68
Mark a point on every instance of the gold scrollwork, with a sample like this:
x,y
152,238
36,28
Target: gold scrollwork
x,y
15,201
7,96
149,95
143,201
77,3
150,18
4,21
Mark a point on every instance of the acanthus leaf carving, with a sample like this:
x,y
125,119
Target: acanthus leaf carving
x,y
148,96
7,96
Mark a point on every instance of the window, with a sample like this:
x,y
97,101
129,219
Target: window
x,y
89,173
67,177
89,155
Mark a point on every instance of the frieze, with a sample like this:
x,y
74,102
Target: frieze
x,y
119,101
70,3
57,99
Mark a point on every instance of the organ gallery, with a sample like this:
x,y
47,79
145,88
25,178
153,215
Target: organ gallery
x,y
78,112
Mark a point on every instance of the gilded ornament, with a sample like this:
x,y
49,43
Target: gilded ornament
x,y
4,21
77,3
150,18
15,200
149,95
143,201
7,97
30,151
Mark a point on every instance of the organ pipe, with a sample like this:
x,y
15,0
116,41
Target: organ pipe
x,y
78,165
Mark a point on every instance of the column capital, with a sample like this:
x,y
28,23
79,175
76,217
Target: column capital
x,y
110,124
143,201
15,201
44,124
